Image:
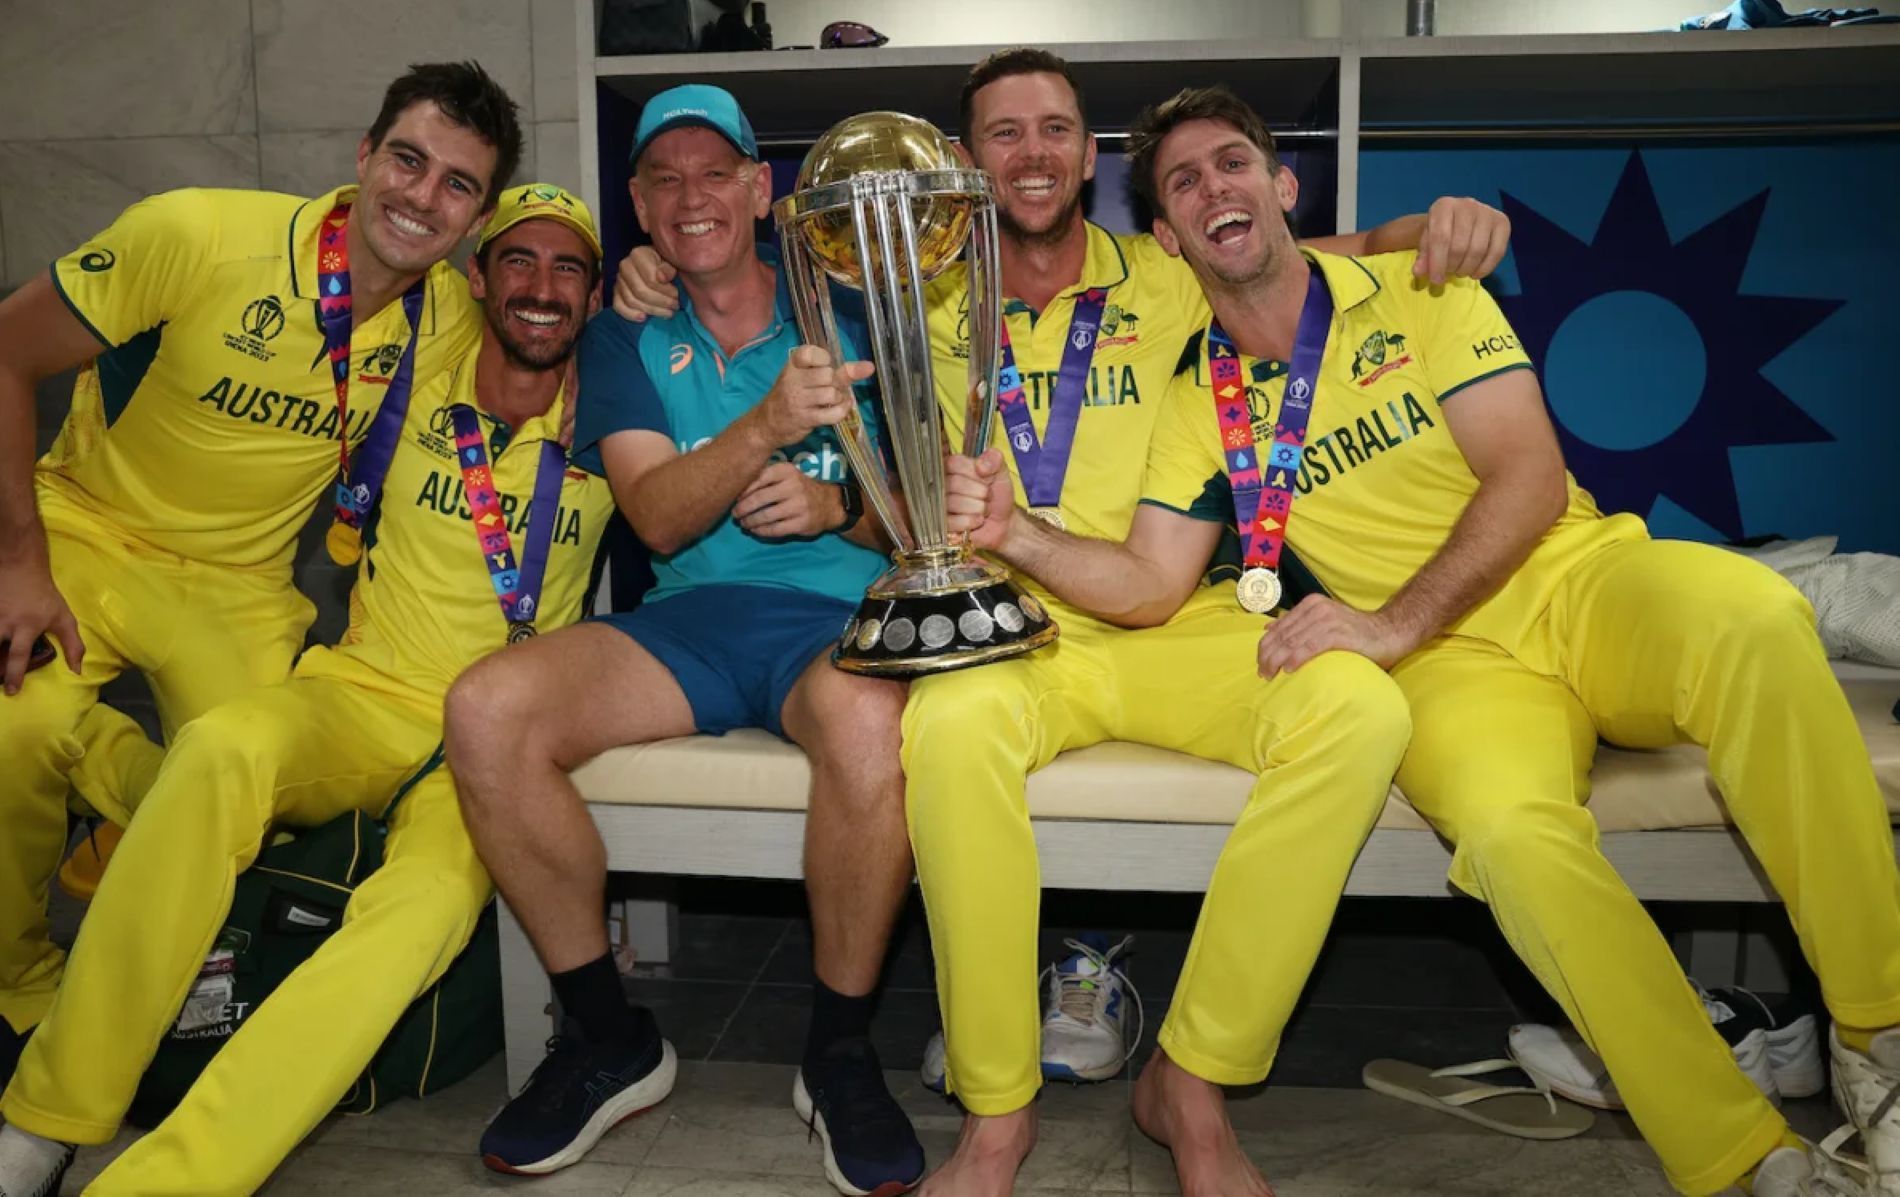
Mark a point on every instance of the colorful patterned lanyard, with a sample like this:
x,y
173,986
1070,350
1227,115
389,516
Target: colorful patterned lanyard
x,y
357,488
1263,499
517,587
1043,465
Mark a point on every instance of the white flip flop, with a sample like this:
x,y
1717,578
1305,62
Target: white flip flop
x,y
1521,1111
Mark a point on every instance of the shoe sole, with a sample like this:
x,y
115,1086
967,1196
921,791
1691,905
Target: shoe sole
x,y
1084,1076
809,1115
631,1102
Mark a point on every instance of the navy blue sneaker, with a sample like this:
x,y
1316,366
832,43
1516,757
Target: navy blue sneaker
x,y
870,1148
579,1093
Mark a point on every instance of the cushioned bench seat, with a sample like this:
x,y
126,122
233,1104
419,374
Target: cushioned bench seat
x,y
1122,816
1632,791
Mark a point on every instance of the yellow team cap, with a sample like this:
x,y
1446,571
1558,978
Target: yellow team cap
x,y
540,201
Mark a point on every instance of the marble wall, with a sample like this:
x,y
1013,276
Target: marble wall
x,y
105,101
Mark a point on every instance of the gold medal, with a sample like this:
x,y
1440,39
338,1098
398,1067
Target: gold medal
x,y
1051,516
520,630
344,543
1258,590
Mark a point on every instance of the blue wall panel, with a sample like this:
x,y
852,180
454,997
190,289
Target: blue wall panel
x,y
1715,325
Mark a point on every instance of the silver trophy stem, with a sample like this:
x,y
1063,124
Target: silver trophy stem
x,y
811,302
984,295
909,401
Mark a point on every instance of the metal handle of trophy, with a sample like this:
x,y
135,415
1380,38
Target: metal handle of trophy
x,y
811,303
985,297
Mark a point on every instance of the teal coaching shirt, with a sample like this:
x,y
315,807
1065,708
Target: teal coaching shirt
x,y
669,376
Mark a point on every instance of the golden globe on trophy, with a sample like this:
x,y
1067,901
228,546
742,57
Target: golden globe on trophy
x,y
883,206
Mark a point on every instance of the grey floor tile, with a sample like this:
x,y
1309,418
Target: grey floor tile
x,y
91,1161
446,1123
693,1182
1328,1143
721,947
322,1170
693,1014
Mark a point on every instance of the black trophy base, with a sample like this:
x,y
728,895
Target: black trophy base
x,y
909,635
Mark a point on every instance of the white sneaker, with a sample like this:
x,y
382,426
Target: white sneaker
x,y
1867,1088
1794,1042
931,1073
1084,1036
1821,1171
31,1166
1085,1027
1558,1058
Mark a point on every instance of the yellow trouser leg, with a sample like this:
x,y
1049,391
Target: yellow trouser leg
x,y
298,1054
39,748
970,740
1325,741
119,763
303,751
201,635
1671,641
1499,764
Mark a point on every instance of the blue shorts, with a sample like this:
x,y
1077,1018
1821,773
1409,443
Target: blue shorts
x,y
736,651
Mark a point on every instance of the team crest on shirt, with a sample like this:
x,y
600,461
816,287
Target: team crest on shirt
x,y
379,365
440,439
259,323
1120,326
1369,362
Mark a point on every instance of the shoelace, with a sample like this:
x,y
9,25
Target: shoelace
x,y
1078,995
857,1087
555,1075
1835,1174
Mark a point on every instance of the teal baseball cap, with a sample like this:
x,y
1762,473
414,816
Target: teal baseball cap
x,y
694,104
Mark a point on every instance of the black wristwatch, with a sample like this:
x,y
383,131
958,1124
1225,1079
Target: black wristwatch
x,y
853,500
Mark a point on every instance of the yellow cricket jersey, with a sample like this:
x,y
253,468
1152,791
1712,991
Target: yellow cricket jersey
x,y
208,426
1154,306
424,608
1382,481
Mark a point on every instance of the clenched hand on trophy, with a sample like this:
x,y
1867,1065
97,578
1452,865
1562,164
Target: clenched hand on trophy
x,y
882,206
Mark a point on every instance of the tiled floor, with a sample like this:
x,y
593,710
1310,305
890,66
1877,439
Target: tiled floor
x,y
729,1130
1421,980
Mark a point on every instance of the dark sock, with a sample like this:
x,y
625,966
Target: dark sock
x,y
591,995
835,1016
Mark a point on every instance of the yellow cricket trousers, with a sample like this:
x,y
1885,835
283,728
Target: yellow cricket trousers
x,y
1324,740
335,738
201,634
1646,644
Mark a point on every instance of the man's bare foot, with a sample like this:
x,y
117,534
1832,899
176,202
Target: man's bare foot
x,y
1188,1116
988,1153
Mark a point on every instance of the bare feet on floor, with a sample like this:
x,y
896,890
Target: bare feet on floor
x,y
988,1153
1188,1116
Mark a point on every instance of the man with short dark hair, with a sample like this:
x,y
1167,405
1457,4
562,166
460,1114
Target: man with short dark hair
x,y
1522,625
484,534
239,343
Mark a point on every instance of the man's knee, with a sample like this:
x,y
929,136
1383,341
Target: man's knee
x,y
1519,840
497,705
950,715
1355,695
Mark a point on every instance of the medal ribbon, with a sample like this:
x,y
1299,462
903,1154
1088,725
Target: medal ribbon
x,y
1263,491
1043,464
358,483
517,586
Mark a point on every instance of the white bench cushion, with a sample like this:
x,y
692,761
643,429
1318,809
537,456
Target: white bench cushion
x,y
1633,791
